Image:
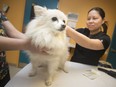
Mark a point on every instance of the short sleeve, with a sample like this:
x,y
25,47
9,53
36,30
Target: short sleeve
x,y
105,41
84,31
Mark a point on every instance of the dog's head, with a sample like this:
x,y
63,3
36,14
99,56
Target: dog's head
x,y
53,19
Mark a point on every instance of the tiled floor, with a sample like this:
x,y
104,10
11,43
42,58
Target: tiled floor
x,y
13,70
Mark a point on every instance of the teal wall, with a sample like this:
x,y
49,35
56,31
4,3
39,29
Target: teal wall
x,y
112,51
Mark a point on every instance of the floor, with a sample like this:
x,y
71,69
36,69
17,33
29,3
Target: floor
x,y
13,70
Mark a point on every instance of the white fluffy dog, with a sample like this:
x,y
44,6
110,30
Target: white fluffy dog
x,y
47,31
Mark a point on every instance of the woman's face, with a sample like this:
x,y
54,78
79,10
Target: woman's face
x,y
94,21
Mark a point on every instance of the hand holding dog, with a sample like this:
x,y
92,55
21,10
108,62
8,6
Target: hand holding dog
x,y
34,49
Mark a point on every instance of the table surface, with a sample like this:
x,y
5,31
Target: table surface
x,y
74,77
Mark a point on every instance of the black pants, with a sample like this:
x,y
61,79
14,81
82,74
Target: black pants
x,y
5,80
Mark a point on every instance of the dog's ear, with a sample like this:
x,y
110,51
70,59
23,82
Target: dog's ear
x,y
38,10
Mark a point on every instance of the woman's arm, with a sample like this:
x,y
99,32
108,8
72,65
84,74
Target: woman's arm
x,y
15,40
11,31
82,40
7,43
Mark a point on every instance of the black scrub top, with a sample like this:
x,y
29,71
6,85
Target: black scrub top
x,y
88,56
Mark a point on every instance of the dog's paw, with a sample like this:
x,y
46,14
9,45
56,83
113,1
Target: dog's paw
x,y
65,70
48,82
31,74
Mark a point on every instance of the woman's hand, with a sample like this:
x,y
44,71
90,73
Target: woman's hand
x,y
31,47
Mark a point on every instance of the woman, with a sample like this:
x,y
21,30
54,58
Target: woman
x,y
92,42
11,39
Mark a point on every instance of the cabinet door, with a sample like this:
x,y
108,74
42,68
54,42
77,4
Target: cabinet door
x,y
112,52
51,4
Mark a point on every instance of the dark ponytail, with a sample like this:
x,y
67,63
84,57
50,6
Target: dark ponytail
x,y
105,27
102,14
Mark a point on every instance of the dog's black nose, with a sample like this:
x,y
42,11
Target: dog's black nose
x,y
63,26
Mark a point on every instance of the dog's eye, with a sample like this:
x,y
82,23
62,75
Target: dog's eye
x,y
64,21
54,19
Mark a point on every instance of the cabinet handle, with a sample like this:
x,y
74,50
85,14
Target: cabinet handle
x,y
113,50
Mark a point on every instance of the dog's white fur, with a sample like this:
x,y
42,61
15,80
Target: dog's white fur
x,y
46,32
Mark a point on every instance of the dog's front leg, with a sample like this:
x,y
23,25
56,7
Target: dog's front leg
x,y
33,70
62,63
52,67
62,67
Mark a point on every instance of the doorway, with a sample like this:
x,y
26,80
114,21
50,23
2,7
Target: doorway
x,y
112,51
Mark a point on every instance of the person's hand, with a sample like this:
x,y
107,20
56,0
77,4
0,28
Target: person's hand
x,y
67,29
31,47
